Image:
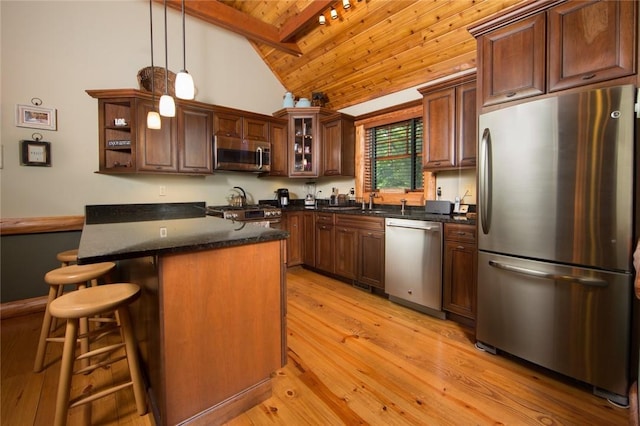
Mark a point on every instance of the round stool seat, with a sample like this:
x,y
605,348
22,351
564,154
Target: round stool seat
x,y
75,274
68,256
94,300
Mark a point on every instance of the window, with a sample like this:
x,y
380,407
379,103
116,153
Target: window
x,y
394,156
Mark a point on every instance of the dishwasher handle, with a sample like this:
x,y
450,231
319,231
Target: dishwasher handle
x,y
401,224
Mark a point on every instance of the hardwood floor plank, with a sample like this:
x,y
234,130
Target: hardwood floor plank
x,y
353,358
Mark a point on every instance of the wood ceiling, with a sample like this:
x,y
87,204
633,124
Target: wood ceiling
x,y
374,48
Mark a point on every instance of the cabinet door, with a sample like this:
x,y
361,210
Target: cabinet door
x,y
346,246
439,115
227,124
309,239
279,148
591,42
156,149
304,146
255,129
294,244
325,247
467,131
512,61
195,140
371,258
459,278
331,147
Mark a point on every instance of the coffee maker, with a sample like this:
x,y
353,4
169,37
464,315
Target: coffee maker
x,y
283,197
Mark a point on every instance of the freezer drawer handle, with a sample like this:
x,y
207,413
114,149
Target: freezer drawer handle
x,y
556,277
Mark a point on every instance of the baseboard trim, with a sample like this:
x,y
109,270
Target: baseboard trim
x,y
23,307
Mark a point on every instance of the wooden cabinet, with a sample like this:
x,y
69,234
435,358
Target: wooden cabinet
x,y
195,151
460,270
295,226
449,123
320,142
542,48
338,145
228,124
183,144
513,61
279,148
590,42
309,238
325,242
359,249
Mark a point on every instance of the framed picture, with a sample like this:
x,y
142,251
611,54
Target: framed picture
x,y
35,153
36,117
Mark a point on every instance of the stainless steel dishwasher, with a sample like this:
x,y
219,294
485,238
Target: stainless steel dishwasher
x,y
413,264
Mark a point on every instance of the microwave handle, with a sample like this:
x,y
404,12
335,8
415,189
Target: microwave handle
x,y
259,154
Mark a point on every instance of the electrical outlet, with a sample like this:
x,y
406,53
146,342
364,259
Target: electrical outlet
x,y
163,190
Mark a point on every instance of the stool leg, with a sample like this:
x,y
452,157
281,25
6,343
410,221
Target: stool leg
x,y
66,370
46,329
132,359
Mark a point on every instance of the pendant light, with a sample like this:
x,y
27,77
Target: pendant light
x,y
153,118
167,105
184,81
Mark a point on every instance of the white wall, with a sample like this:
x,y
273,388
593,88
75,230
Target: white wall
x,y
55,50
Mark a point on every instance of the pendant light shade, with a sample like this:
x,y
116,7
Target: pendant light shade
x,y
153,118
167,105
184,85
184,82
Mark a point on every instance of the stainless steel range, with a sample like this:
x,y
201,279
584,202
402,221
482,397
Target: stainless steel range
x,y
261,214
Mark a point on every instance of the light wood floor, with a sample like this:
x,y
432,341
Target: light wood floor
x,y
354,358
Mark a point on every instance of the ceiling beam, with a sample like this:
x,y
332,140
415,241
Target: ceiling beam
x,y
235,21
297,23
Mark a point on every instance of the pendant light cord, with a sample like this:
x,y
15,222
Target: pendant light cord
x,y
184,43
166,53
152,67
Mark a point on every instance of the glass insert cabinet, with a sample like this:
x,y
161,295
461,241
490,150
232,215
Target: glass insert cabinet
x,y
303,145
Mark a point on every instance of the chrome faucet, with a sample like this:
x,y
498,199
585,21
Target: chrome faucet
x,y
404,204
371,197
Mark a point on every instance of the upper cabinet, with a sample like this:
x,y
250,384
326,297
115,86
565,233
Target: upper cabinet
x,y
317,147
449,123
591,42
279,148
541,48
338,145
182,145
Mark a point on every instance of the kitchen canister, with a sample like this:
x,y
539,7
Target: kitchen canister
x,y
303,102
288,100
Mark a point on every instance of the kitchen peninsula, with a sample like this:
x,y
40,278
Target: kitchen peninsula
x,y
211,319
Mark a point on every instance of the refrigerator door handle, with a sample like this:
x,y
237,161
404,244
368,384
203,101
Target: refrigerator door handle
x,y
595,282
484,178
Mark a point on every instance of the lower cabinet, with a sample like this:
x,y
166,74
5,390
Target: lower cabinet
x,y
309,238
294,225
325,244
460,270
359,249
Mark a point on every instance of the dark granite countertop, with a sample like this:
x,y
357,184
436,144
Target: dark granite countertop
x,y
101,242
415,213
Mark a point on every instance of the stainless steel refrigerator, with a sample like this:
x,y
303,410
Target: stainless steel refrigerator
x,y
555,212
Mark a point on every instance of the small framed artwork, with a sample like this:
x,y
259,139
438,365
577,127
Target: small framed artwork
x,y
36,117
35,153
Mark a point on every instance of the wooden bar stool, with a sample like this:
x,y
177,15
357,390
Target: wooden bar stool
x,y
68,257
77,275
86,303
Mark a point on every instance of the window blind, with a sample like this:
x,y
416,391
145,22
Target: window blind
x,y
394,156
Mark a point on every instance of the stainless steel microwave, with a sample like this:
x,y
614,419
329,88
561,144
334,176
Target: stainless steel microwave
x,y
241,154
